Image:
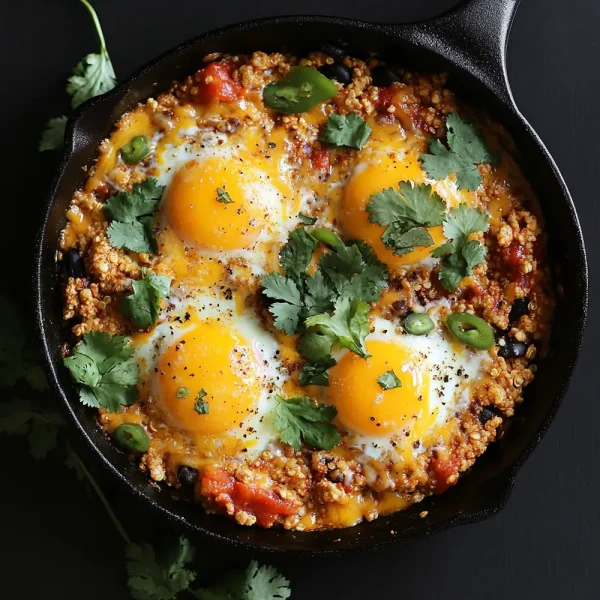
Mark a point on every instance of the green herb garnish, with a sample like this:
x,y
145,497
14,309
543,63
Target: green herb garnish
x,y
389,380
460,256
183,392
467,150
299,419
223,196
105,367
349,131
406,214
316,373
131,215
306,220
143,306
201,405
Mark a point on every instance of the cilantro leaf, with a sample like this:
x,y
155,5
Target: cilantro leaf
x,y
316,373
143,306
54,134
24,417
296,255
223,196
348,325
306,220
131,214
348,131
159,578
94,74
286,317
142,201
278,287
183,392
318,296
461,256
315,345
405,215
265,583
201,405
298,419
389,380
106,369
467,150
462,221
133,236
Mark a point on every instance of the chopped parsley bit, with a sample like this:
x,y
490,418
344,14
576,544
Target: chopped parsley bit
x,y
306,220
389,380
143,306
106,369
349,131
201,406
93,75
132,215
298,419
183,392
406,214
223,196
460,256
349,277
467,150
316,373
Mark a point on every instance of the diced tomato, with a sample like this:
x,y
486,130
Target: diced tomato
x,y
472,291
265,505
102,191
386,95
444,468
216,83
513,255
319,159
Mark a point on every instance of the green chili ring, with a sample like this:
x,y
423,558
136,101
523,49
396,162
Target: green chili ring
x,y
418,324
134,150
299,91
470,330
132,437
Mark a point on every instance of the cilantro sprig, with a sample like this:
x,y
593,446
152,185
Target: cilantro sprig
x,y
406,214
143,306
106,369
92,76
466,150
132,214
298,419
460,255
389,380
349,131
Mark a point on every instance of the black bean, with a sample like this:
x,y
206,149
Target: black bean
x,y
74,263
384,76
337,72
333,51
187,476
512,349
488,413
519,308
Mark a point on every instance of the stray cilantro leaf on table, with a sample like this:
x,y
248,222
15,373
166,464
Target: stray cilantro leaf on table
x,y
467,150
406,214
460,256
106,369
92,76
201,405
348,326
143,306
298,419
131,215
152,577
349,131
389,380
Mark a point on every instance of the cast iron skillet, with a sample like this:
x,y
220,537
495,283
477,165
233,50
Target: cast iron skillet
x,y
470,43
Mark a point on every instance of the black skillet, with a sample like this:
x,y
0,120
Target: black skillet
x,y
469,42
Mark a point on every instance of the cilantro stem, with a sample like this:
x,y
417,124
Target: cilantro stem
x,y
97,25
101,496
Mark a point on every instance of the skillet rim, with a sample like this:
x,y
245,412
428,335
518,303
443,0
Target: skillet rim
x,y
113,97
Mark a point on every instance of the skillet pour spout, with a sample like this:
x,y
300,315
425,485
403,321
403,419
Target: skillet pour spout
x,y
468,42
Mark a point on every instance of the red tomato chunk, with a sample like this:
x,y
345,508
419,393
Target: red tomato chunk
x,y
444,469
216,83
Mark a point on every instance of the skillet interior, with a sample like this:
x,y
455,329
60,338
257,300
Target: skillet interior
x,y
479,494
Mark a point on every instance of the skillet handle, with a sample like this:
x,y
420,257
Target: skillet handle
x,y
473,35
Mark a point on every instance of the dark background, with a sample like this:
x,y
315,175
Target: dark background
x,y
58,541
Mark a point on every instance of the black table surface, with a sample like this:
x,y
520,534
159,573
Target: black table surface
x,y
544,544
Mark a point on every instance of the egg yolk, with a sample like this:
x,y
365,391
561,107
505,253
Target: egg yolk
x,y
199,210
372,179
362,405
215,359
